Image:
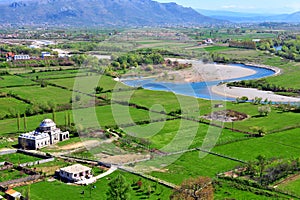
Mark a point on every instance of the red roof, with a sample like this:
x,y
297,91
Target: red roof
x,y
10,54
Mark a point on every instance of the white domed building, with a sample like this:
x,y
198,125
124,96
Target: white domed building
x,y
46,134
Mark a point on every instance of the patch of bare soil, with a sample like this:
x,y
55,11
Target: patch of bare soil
x,y
76,145
226,116
122,159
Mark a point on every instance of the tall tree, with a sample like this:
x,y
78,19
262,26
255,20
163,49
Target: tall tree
x,y
194,189
118,189
18,121
25,122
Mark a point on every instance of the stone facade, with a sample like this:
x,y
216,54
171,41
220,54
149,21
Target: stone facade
x,y
46,134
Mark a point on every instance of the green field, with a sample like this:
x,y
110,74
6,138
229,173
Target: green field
x,y
11,174
11,106
177,135
18,158
291,186
280,145
6,81
39,94
181,167
66,192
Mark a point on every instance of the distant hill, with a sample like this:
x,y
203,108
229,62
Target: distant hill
x,y
99,13
239,17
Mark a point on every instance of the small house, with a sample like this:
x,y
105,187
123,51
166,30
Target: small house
x,y
12,194
21,57
75,173
45,54
10,56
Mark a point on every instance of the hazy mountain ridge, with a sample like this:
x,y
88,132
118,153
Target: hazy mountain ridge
x,y
99,12
251,17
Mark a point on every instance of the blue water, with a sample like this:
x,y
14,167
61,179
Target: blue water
x,y
197,89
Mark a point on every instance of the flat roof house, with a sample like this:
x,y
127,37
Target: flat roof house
x,y
75,173
12,194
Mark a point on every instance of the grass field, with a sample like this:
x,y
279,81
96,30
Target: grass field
x,y
11,106
66,192
93,117
190,165
39,94
11,174
284,144
291,186
177,135
88,83
11,80
18,158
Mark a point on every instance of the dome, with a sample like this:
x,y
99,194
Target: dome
x,y
47,123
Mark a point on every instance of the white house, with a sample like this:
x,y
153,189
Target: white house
x,y
75,173
12,194
21,57
46,134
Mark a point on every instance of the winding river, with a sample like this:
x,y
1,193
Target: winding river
x,y
197,89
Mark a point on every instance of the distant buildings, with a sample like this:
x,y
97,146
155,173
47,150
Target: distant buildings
x,y
45,54
75,173
46,134
11,56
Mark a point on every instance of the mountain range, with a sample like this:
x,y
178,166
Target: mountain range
x,y
239,17
99,13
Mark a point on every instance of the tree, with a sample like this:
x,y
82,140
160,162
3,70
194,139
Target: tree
x,y
118,189
262,162
194,189
18,121
25,122
98,89
264,110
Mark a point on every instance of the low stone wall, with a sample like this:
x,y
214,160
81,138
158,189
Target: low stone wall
x,y
6,184
8,152
38,155
6,165
37,162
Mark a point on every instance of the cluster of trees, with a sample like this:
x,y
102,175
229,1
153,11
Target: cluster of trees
x,y
268,171
220,58
176,65
136,59
39,63
243,44
267,45
194,188
290,49
262,84
22,49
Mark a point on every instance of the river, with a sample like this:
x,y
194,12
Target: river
x,y
197,89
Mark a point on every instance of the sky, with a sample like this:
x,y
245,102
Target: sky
x,y
249,6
